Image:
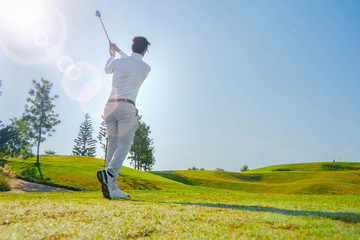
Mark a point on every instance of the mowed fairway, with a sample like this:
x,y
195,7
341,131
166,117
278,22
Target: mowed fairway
x,y
178,214
179,204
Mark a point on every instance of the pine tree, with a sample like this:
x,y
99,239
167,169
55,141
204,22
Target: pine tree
x,y
39,114
102,137
142,149
85,145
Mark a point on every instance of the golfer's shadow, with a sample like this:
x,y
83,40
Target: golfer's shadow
x,y
348,217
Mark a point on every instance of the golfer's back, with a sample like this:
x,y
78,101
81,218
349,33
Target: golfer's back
x,y
128,75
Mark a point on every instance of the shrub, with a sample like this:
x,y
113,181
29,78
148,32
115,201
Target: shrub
x,y
6,171
4,185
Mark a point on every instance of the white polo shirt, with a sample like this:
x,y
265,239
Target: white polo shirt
x,y
128,75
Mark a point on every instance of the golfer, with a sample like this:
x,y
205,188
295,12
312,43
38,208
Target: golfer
x,y
129,72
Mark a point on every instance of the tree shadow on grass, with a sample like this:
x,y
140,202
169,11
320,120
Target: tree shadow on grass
x,y
29,170
137,184
142,186
33,172
172,176
347,217
29,173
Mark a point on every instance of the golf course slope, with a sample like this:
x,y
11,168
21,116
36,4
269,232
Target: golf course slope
x,y
80,172
305,178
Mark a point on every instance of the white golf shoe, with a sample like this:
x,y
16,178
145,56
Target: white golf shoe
x,y
117,193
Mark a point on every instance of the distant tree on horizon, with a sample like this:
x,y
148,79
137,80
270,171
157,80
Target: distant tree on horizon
x,y
244,168
39,115
85,144
103,139
195,168
50,152
142,150
219,169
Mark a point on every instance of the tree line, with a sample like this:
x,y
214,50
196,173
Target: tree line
x,y
243,169
38,122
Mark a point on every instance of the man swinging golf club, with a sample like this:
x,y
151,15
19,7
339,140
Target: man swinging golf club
x,y
120,113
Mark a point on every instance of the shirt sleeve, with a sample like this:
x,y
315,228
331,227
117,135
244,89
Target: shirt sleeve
x,y
122,54
109,67
147,70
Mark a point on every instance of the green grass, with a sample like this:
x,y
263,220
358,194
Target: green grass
x,y
186,204
306,178
309,178
4,185
317,167
195,213
80,172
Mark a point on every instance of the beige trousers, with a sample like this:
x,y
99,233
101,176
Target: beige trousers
x,y
121,124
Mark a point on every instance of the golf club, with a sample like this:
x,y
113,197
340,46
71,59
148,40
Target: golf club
x,y
97,13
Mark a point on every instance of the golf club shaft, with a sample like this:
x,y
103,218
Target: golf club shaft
x,y
105,30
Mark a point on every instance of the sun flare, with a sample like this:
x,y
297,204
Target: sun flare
x,y
31,30
21,13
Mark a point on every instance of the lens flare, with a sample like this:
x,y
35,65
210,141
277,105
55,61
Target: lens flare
x,y
40,38
49,47
82,81
31,31
73,72
95,107
64,62
21,13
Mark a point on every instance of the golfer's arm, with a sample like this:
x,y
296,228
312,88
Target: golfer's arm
x,y
122,54
109,66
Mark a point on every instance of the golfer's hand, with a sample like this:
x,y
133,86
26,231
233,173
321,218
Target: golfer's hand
x,y
112,52
114,47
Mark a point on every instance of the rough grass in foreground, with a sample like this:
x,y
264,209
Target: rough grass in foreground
x,y
179,214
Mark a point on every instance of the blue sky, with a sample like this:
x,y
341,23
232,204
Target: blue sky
x,y
232,82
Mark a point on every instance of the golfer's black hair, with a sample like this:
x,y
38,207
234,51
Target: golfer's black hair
x,y
139,44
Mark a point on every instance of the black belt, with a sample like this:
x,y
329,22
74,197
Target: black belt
x,y
122,100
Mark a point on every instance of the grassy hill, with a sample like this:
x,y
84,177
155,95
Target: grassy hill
x,y
314,167
80,172
307,178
